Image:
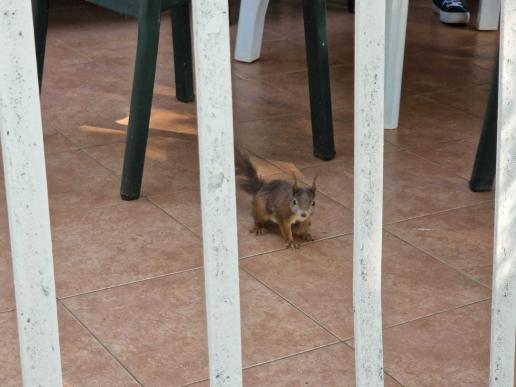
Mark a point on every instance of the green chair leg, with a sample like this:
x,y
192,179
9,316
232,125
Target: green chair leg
x,y
484,169
182,52
40,20
141,99
316,37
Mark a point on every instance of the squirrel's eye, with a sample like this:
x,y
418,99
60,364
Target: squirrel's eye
x,y
294,202
313,203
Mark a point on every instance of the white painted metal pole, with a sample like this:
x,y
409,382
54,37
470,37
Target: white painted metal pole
x,y
396,27
503,308
367,244
27,198
488,15
218,200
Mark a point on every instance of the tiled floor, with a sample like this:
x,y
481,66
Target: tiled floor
x,y
129,275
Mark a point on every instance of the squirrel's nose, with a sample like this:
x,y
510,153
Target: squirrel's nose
x,y
303,214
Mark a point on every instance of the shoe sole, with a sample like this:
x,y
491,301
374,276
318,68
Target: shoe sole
x,y
451,17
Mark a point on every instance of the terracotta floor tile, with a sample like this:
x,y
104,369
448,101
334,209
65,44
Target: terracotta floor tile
x,y
318,279
90,119
424,121
449,349
75,181
287,141
170,311
257,99
435,71
412,186
330,219
276,57
462,238
88,77
55,142
455,156
332,366
171,162
84,361
6,273
472,100
59,54
109,246
119,244
297,83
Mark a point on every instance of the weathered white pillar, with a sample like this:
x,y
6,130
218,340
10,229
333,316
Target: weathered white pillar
x,y
503,309
218,200
367,244
27,198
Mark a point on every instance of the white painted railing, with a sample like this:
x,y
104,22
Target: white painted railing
x,y
367,242
27,198
503,307
25,179
218,196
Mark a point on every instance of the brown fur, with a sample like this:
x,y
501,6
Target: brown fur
x,y
277,201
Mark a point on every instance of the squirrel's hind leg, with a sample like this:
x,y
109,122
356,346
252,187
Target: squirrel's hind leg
x,y
261,216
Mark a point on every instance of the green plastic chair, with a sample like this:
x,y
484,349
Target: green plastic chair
x,y
484,168
148,15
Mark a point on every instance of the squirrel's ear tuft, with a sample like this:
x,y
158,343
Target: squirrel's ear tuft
x,y
295,186
314,186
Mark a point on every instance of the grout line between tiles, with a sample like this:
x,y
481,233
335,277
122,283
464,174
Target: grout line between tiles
x,y
130,283
172,217
102,344
276,360
386,372
112,173
456,269
321,325
447,169
435,314
439,212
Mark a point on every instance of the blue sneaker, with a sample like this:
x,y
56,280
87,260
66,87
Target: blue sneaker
x,y
451,11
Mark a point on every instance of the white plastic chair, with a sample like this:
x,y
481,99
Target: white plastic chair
x,y
249,44
488,16
252,20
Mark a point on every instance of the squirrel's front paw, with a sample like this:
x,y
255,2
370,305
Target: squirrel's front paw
x,y
307,237
258,230
292,245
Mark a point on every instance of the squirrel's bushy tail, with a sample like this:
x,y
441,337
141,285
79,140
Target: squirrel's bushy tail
x,y
248,180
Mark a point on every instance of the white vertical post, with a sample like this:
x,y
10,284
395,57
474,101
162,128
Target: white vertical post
x,y
367,243
396,27
27,198
218,200
488,15
503,308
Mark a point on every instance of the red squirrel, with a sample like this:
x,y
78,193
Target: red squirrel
x,y
288,205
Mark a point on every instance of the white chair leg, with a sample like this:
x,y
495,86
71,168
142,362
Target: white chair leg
x,y
395,29
488,15
250,30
